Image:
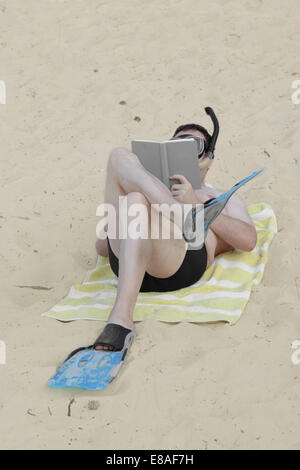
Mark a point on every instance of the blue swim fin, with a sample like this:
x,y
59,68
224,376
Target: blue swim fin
x,y
91,369
214,207
208,213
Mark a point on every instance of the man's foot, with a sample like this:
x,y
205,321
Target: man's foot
x,y
112,337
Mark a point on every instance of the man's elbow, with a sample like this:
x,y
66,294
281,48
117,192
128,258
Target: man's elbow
x,y
251,241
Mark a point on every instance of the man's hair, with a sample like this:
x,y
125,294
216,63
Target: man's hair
x,y
196,127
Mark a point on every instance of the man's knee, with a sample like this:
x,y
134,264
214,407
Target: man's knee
x,y
120,155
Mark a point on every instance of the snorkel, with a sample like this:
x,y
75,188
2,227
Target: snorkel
x,y
209,142
209,154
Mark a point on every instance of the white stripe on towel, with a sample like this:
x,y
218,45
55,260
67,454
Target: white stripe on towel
x,y
74,294
191,309
262,215
225,263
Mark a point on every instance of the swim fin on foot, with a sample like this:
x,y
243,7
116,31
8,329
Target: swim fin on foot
x,y
91,369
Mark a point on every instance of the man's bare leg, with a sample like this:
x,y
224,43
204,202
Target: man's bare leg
x,y
160,258
135,258
129,175
125,175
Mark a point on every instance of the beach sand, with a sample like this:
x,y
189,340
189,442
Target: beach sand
x,y
67,65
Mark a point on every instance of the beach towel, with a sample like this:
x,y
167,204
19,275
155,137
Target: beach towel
x,y
221,294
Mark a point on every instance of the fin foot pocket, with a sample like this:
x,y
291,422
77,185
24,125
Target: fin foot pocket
x,y
113,336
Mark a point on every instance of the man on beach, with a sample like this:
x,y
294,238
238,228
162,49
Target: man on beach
x,y
158,264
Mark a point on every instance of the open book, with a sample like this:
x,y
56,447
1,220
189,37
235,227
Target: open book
x,y
170,157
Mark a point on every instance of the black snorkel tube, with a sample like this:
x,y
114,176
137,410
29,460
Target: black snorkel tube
x,y
209,153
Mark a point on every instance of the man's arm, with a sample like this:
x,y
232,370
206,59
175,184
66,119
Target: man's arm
x,y
235,232
235,226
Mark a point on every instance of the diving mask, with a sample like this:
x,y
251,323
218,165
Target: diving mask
x,y
201,142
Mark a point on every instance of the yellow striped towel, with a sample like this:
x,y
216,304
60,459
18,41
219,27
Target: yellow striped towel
x,y
220,295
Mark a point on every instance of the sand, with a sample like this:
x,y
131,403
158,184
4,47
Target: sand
x,y
67,65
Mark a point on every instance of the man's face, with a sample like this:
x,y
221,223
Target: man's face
x,y
193,132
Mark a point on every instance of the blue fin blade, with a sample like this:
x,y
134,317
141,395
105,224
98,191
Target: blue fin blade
x,y
226,196
88,369
215,207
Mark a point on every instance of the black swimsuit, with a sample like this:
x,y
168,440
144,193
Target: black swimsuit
x,y
190,271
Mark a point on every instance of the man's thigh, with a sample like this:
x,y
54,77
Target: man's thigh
x,y
167,250
166,258
168,247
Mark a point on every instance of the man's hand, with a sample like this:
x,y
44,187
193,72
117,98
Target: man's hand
x,y
184,191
